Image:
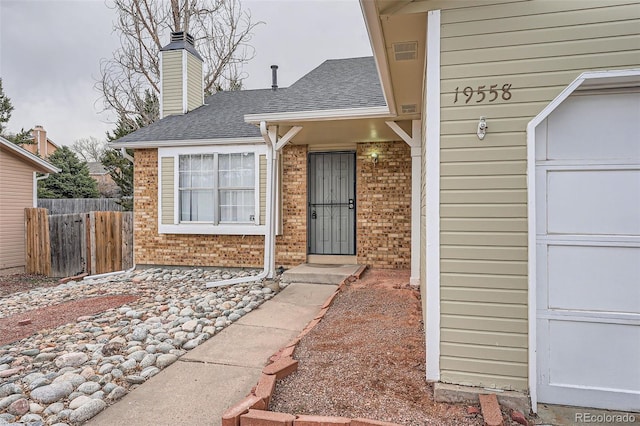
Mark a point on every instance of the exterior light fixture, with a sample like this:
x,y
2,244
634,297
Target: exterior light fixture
x,y
482,128
374,157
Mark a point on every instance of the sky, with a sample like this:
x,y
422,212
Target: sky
x,y
50,53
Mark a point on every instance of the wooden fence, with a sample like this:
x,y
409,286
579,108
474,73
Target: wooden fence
x,y
38,246
79,205
70,244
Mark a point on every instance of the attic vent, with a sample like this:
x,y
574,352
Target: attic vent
x,y
182,36
406,51
409,109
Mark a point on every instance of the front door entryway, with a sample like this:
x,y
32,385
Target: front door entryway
x,y
331,208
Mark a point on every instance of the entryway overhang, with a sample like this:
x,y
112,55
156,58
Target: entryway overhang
x,y
333,131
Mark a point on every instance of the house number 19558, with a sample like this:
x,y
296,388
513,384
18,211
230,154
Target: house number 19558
x,y
481,93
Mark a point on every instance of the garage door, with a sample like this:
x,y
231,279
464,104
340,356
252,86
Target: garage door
x,y
588,251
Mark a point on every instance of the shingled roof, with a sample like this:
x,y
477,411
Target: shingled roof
x,y
335,84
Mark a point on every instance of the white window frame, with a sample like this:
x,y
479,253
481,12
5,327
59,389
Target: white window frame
x,y
209,228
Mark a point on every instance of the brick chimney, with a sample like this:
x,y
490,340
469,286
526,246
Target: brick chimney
x,y
181,82
39,146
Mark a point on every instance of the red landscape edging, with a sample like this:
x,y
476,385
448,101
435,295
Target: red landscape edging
x,y
249,411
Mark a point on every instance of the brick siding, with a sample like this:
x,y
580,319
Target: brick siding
x,y
383,228
291,246
383,215
151,248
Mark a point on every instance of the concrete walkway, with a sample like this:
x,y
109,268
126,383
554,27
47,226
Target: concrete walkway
x,y
203,383
320,274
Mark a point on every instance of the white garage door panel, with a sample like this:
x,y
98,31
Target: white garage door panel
x,y
594,278
600,137
594,202
594,355
587,205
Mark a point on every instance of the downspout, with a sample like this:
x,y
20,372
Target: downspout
x,y
124,154
123,151
274,145
269,239
35,187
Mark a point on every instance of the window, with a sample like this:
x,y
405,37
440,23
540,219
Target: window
x,y
215,190
218,188
237,177
196,185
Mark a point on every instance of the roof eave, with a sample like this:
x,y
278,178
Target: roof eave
x,y
376,38
320,115
40,164
186,142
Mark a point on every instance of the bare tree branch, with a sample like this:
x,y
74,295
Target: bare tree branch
x,y
222,32
90,149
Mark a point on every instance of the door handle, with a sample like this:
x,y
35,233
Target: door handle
x,y
352,204
314,215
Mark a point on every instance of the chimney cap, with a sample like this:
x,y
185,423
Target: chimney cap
x,y
182,40
182,36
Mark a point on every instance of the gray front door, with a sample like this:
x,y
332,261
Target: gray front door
x,y
332,209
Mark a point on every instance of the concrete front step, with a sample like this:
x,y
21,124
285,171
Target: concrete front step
x,y
319,274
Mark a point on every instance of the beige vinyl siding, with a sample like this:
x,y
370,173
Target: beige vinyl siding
x,y
538,47
167,174
263,189
194,82
16,187
171,82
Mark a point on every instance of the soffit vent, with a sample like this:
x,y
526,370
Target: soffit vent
x,y
409,109
406,51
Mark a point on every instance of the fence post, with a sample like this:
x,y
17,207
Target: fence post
x,y
87,244
127,240
92,237
38,246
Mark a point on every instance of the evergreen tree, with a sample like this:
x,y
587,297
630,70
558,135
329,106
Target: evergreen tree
x,y
5,109
73,181
23,137
121,171
126,124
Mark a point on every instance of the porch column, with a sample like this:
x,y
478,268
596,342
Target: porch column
x,y
415,142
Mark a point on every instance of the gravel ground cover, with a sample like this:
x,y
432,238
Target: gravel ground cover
x,y
92,341
16,283
366,359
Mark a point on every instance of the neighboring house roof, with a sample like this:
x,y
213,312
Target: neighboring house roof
x,y
38,163
335,84
96,168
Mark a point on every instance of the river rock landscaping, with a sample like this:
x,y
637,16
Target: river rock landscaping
x,y
69,371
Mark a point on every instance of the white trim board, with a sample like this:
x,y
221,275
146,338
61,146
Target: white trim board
x,y
376,39
414,141
188,142
432,112
319,115
207,228
592,78
26,155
